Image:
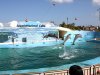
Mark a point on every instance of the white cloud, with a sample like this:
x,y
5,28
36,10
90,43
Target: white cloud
x,y
1,24
62,1
13,24
96,2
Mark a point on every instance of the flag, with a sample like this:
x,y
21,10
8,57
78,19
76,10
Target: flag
x,y
75,18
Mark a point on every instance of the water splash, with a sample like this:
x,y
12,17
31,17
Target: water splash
x,y
64,54
67,53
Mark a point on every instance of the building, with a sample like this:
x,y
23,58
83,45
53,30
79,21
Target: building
x,y
29,24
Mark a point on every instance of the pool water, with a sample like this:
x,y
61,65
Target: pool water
x,y
46,57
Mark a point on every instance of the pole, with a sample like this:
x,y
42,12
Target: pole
x,y
99,14
67,20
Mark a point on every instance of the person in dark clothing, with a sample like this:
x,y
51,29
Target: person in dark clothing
x,y
13,40
75,70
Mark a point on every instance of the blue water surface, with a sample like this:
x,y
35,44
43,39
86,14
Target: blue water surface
x,y
47,57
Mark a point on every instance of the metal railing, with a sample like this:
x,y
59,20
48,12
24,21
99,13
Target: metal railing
x,y
90,70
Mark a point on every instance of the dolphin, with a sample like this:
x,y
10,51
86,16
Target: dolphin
x,y
66,38
76,37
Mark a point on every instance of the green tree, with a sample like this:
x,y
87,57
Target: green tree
x,y
70,26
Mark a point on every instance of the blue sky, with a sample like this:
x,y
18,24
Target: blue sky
x,y
42,10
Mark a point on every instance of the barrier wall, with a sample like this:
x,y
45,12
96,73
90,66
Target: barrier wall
x,y
89,70
86,36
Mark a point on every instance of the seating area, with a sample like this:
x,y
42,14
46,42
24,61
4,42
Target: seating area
x,y
89,70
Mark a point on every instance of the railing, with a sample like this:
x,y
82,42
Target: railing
x,y
91,70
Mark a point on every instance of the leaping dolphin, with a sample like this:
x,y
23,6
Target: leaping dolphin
x,y
67,37
76,37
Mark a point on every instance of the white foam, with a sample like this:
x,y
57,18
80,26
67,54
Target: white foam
x,y
68,57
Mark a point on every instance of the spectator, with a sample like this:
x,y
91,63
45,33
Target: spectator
x,y
75,70
98,72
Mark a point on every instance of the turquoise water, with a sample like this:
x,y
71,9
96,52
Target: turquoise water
x,y
40,59
46,57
